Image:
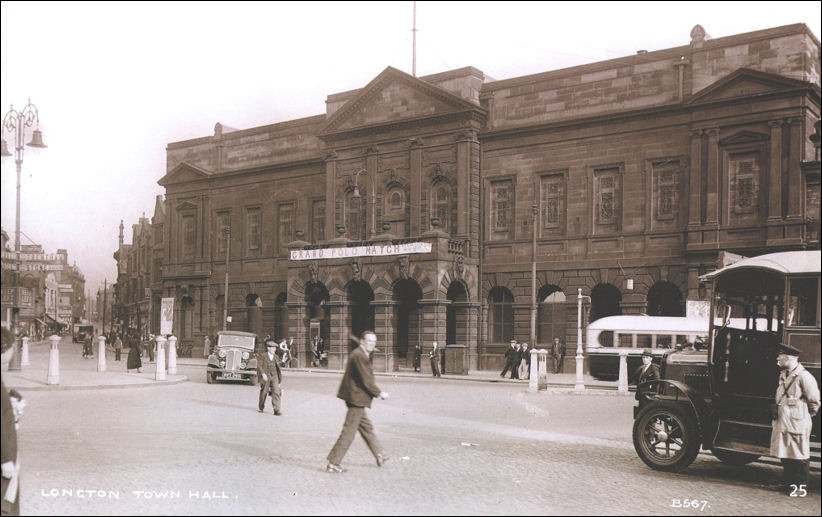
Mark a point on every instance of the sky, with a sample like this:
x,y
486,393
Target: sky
x,y
115,82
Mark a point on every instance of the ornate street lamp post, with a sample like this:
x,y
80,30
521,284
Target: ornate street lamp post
x,y
227,231
16,122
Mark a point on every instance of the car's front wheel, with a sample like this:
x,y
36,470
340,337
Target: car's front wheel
x,y
666,436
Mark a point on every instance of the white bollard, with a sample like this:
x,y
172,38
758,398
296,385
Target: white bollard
x,y
532,377
24,356
172,355
54,361
542,371
160,365
623,372
101,353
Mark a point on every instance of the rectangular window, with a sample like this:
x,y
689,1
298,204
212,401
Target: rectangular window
x,y
253,229
666,196
745,170
607,206
285,217
552,201
222,226
501,210
802,309
189,236
318,221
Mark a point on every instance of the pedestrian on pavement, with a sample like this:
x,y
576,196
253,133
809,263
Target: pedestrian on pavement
x,y
133,361
517,356
357,389
797,401
87,349
118,348
11,403
557,354
417,357
150,344
525,360
434,355
268,371
207,346
509,358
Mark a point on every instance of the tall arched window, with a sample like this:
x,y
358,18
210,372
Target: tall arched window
x,y
353,216
441,205
500,315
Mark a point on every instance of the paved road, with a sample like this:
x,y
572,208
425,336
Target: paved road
x,y
198,449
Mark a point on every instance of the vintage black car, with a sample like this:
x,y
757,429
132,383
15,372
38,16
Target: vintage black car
x,y
720,402
233,358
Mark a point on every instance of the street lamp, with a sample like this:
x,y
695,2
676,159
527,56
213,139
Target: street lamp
x,y
534,275
356,195
227,232
580,382
16,122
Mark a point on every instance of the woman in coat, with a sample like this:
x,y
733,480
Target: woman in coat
x,y
134,360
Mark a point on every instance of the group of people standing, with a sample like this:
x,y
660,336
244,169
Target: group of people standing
x,y
517,360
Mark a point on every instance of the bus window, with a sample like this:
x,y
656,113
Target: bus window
x,y
802,306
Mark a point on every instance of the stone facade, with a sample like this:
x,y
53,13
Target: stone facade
x,y
634,174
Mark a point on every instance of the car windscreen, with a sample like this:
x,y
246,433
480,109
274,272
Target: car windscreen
x,y
236,341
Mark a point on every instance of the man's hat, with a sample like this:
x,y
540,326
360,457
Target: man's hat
x,y
787,349
647,352
270,342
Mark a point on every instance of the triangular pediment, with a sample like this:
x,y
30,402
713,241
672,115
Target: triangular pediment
x,y
744,137
392,97
183,172
745,82
186,205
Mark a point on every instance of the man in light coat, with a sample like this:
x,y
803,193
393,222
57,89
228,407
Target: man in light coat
x,y
797,398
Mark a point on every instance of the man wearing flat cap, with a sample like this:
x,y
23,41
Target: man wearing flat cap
x,y
268,370
797,401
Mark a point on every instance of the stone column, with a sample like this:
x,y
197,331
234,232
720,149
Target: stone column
x,y
694,185
794,172
385,360
339,328
297,327
416,185
713,196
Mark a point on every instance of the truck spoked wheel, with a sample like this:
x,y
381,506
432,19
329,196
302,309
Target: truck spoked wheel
x,y
666,436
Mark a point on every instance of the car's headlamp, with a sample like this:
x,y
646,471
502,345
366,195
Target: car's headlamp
x,y
221,353
245,355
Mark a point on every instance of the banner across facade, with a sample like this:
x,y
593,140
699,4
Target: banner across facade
x,y
380,250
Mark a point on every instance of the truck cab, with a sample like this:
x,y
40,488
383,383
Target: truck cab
x,y
719,402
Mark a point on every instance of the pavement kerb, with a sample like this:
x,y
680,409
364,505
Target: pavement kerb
x,y
178,379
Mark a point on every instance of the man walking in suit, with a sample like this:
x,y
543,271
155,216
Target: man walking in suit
x,y
357,389
268,370
558,354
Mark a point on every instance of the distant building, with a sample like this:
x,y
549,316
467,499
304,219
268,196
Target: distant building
x,y
635,174
45,289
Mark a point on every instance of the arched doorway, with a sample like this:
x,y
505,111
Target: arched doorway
x,y
254,314
407,317
359,296
186,329
317,313
280,317
219,316
665,299
605,300
550,315
456,315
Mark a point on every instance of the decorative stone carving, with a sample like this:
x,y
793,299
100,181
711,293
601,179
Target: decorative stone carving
x,y
313,271
405,266
356,266
459,265
415,142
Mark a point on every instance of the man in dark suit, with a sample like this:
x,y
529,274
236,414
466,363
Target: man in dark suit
x,y
558,354
357,389
268,371
509,357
